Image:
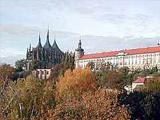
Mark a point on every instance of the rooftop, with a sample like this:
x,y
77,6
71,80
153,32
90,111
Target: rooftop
x,y
140,80
129,51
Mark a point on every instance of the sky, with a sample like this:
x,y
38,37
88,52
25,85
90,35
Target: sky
x,y
104,25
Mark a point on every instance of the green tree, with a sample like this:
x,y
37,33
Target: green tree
x,y
66,63
113,79
20,65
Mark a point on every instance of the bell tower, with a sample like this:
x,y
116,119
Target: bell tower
x,y
79,52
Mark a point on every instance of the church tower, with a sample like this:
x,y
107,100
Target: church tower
x,y
47,44
79,52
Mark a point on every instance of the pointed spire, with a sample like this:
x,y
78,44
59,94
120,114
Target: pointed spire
x,y
48,35
47,44
80,43
39,43
27,54
158,43
54,38
55,46
30,47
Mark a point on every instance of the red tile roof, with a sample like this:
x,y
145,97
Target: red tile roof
x,y
140,80
130,52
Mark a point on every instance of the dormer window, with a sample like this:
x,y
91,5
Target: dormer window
x,y
121,54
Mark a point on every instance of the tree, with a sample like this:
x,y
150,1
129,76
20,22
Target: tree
x,y
75,83
20,65
28,98
152,86
112,79
35,64
66,63
97,105
143,105
91,65
6,75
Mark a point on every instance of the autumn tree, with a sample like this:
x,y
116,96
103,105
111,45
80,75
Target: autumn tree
x,y
28,98
79,99
97,105
75,83
6,75
91,65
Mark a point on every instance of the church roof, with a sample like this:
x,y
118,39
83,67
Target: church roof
x,y
130,52
39,43
47,44
55,46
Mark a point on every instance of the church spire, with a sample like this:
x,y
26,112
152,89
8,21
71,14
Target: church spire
x,y
48,35
30,47
39,43
55,46
79,52
47,44
158,43
80,43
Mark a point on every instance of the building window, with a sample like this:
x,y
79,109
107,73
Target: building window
x,y
135,61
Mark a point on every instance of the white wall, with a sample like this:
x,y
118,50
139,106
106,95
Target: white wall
x,y
132,61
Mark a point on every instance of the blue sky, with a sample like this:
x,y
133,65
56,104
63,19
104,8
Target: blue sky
x,y
104,25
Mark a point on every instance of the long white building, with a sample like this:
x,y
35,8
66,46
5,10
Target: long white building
x,y
139,58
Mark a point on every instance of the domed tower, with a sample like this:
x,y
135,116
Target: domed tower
x,y
79,52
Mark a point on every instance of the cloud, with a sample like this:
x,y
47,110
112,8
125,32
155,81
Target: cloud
x,y
104,24
17,30
9,55
10,59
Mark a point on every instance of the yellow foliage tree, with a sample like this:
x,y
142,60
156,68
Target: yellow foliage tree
x,y
75,83
98,105
29,98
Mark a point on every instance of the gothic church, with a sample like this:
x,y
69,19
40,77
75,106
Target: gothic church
x,y
46,56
